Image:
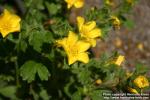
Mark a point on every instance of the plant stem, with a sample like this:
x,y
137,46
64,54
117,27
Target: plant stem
x,y
141,90
17,73
32,92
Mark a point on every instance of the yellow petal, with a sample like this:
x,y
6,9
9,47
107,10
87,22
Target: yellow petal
x,y
80,21
4,33
69,3
61,42
69,6
82,46
92,42
119,60
6,14
71,59
83,57
94,33
79,3
88,26
16,25
15,20
72,37
16,28
132,90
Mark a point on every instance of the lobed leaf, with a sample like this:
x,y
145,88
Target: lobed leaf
x,y
30,68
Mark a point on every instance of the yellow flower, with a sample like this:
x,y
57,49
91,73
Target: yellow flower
x,y
119,60
131,2
9,23
141,81
140,46
110,2
76,3
88,30
98,81
131,90
116,22
75,49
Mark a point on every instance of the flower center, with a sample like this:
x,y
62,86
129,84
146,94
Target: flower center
x,y
5,26
72,50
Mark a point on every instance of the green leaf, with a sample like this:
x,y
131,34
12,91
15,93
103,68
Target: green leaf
x,y
44,95
28,71
141,69
84,76
6,78
59,25
96,95
76,96
10,38
52,8
9,91
129,24
67,87
38,4
42,72
111,80
30,68
105,31
22,45
37,38
48,37
65,66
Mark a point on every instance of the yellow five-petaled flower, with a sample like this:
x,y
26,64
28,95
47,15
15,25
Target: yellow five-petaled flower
x,y
88,30
141,81
9,23
76,3
74,48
